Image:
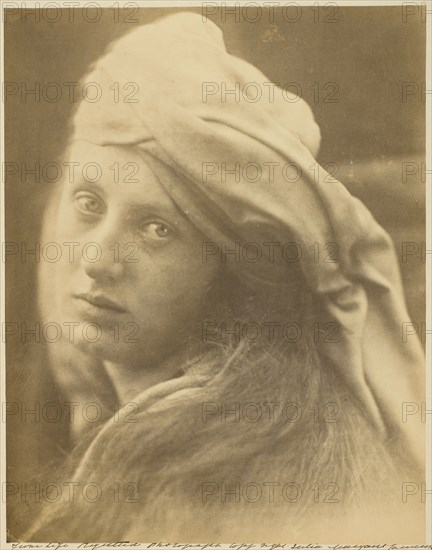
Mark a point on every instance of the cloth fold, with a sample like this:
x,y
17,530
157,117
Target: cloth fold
x,y
190,133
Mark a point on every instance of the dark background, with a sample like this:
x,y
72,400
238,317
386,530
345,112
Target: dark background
x,y
367,52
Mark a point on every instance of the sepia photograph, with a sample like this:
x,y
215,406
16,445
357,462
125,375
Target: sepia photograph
x,y
214,255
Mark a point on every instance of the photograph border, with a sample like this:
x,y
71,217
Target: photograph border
x,y
105,4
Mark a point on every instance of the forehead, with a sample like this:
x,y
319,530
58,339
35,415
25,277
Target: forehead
x,y
120,171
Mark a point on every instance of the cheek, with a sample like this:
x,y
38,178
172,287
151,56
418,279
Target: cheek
x,y
67,227
175,285
192,272
63,224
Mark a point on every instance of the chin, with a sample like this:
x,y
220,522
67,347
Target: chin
x,y
107,350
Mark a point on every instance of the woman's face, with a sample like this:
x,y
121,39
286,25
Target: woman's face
x,y
133,288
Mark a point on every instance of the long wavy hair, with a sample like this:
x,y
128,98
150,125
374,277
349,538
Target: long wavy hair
x,y
175,466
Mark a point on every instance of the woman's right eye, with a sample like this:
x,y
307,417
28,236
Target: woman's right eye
x,y
88,203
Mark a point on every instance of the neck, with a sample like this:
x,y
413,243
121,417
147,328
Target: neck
x,y
130,382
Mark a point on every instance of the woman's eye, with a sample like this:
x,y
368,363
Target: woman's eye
x,y
87,203
157,230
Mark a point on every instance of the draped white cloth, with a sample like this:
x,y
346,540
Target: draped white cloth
x,y
187,130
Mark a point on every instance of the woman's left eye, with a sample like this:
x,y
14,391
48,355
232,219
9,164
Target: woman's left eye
x,y
157,230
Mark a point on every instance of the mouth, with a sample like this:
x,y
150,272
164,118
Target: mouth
x,y
100,302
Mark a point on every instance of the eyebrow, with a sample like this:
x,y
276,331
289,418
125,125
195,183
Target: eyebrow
x,y
154,208
138,208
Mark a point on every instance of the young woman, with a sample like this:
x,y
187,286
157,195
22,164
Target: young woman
x,y
246,316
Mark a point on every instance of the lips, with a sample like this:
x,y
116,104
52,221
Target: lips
x,y
100,301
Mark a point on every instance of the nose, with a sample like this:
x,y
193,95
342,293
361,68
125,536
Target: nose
x,y
100,258
104,267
